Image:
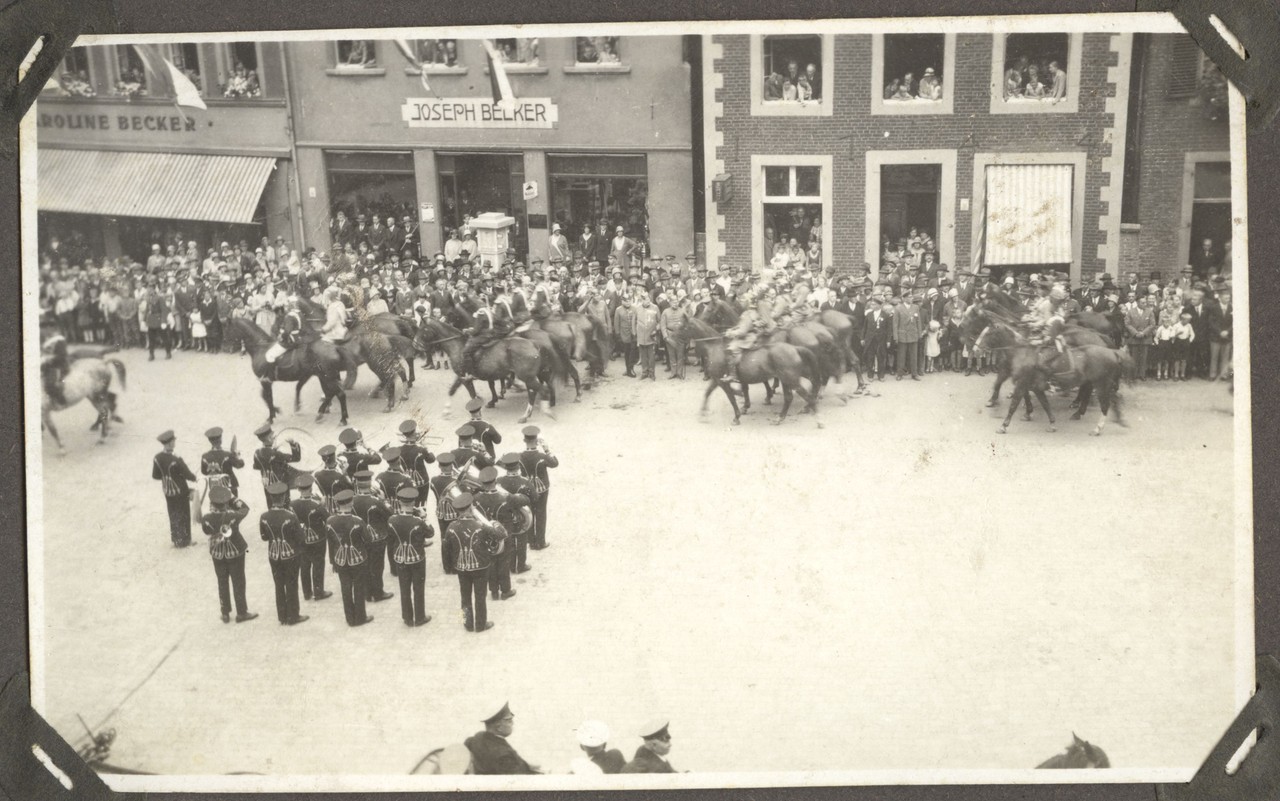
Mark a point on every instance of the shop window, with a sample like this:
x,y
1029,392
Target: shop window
x,y
912,73
792,214
791,75
240,78
595,190
472,184
377,184
438,52
1210,216
1037,72
75,79
356,54
131,74
597,50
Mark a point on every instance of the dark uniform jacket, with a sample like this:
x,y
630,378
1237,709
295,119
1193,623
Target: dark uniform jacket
x,y
415,459
535,464
412,538
440,488
274,465
173,474
492,755
467,545
374,513
311,515
646,761
479,458
487,435
329,481
282,532
219,462
358,460
223,528
392,480
347,541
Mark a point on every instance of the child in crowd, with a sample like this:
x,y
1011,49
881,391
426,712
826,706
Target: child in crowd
x,y
931,349
1183,336
1165,333
198,331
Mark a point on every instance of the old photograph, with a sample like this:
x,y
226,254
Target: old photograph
x,y
891,378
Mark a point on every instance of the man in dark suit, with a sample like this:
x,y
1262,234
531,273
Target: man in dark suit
x,y
340,229
876,327
468,555
491,754
1220,343
908,330
221,463
414,458
361,232
1205,323
1132,284
173,474
395,236
1205,259
373,512
408,554
270,463
485,434
346,533
227,547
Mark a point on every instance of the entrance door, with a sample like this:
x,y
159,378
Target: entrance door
x,y
910,195
475,183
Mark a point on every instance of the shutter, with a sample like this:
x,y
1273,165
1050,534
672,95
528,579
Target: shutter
x,y
1184,67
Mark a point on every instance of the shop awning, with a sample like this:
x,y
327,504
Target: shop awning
x,y
1028,214
171,186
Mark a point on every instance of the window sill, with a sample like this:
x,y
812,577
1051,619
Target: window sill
x,y
237,101
1067,105
522,69
1126,228
597,69
355,72
912,107
436,69
791,108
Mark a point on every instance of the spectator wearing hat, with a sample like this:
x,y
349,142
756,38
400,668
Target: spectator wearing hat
x,y
907,331
593,739
173,474
1205,259
670,321
651,756
155,311
646,329
877,330
624,323
1140,329
227,548
491,754
557,244
624,250
1206,323
1220,337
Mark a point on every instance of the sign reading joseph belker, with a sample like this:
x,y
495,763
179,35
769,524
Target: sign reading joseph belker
x,y
478,112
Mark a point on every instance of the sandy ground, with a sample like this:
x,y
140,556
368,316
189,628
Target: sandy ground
x,y
887,585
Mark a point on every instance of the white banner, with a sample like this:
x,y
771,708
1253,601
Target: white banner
x,y
478,112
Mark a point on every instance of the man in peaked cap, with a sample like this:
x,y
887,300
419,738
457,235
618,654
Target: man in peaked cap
x,y
515,483
483,432
651,756
375,514
282,532
270,463
536,458
347,542
490,500
219,464
491,754
412,538
330,479
173,474
357,459
467,554
311,513
227,547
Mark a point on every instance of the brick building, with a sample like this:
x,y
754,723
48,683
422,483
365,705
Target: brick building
x,y
996,177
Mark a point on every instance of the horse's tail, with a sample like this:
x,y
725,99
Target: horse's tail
x,y
119,368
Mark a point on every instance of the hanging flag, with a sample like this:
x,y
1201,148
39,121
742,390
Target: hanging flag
x,y
406,50
502,94
165,79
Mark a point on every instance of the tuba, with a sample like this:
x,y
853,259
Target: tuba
x,y
515,517
493,542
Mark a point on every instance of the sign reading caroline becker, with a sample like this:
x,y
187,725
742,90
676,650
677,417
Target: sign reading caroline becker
x,y
479,112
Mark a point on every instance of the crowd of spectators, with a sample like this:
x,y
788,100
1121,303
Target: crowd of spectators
x,y
1043,79
906,87
796,85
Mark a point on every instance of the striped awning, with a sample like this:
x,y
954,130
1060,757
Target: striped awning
x,y
171,186
1028,214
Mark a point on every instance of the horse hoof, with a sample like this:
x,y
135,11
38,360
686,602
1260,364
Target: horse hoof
x,y
1027,417
1051,429
1002,430
578,399
1076,416
777,421
737,422
1096,432
490,405
990,404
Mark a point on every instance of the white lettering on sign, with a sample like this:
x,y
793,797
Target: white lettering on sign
x,y
479,112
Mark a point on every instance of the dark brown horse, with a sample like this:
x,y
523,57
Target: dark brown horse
x,y
779,360
319,358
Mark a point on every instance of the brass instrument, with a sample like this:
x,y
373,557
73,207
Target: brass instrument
x,y
515,518
494,543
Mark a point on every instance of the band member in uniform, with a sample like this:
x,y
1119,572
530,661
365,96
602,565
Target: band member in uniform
x,y
468,451
415,458
282,532
490,500
445,513
373,512
173,474
329,478
311,513
515,483
651,756
219,464
227,547
394,477
270,463
491,754
468,554
346,533
409,554
356,459
484,433
535,459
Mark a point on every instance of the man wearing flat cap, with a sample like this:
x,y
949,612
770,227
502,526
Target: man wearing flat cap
x,y
491,754
173,474
651,756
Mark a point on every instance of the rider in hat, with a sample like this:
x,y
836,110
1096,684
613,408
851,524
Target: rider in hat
x,y
755,323
290,333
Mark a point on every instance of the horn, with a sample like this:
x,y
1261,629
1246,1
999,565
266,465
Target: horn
x,y
515,518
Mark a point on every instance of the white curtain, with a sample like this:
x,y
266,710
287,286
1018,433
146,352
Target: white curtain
x,y
1029,214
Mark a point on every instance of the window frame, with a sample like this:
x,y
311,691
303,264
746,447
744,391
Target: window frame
x,y
945,236
773,108
944,106
1190,161
343,69
1068,105
825,198
89,71
573,66
114,73
226,60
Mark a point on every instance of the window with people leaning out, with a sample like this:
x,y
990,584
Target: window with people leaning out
x,y
438,52
525,51
601,50
1035,67
793,69
356,54
913,67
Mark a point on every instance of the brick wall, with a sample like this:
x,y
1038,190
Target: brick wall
x,y
852,130
1171,128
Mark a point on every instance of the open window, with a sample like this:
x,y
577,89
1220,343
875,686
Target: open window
x,y
438,52
1035,72
791,75
598,50
75,79
791,196
912,73
356,54
239,77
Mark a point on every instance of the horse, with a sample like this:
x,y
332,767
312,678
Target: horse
x,y
1080,754
536,366
569,338
58,347
400,332
320,358
595,339
844,330
86,378
1088,364
382,352
778,360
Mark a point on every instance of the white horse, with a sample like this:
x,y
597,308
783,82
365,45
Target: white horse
x,y
86,378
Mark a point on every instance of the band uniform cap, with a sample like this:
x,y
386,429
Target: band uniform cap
x,y
277,488
408,427
391,454
349,436
407,494
488,475
593,733
466,431
343,496
327,450
462,501
262,430
509,459
494,714
220,494
304,480
531,432
166,437
475,404
655,729
445,458
213,433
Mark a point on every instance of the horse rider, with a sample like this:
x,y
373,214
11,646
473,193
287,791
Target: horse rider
x,y
1046,321
754,324
335,320
483,332
290,334
54,355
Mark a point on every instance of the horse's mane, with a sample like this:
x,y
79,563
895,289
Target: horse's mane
x,y
700,328
1005,301
439,327
251,330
